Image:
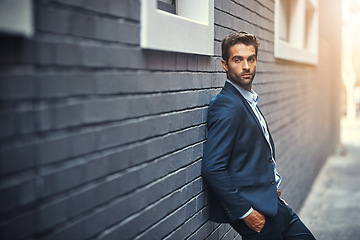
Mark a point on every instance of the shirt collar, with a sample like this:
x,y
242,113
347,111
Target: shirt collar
x,y
249,96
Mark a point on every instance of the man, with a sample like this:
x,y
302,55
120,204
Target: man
x,y
239,155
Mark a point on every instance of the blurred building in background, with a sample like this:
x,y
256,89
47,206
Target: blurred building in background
x,y
350,70
103,109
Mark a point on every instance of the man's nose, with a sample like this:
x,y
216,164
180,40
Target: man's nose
x,y
246,65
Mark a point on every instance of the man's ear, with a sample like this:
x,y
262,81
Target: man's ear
x,y
224,65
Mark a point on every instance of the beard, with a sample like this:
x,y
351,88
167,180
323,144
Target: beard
x,y
245,78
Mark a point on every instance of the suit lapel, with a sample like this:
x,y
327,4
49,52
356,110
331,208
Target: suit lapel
x,y
231,88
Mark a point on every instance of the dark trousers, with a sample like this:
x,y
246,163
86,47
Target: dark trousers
x,y
286,225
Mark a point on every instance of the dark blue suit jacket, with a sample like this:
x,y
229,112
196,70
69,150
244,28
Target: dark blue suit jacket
x,y
237,160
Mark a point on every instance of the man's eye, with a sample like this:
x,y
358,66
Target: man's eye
x,y
237,60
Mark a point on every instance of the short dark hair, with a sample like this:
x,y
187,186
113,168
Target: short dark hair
x,y
235,38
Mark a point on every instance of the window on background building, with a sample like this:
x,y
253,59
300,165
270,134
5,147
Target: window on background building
x,y
178,26
296,30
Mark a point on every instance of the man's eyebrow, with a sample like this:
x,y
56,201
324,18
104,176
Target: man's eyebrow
x,y
241,57
237,56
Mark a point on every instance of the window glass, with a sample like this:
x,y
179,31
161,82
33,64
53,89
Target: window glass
x,y
296,30
167,5
185,26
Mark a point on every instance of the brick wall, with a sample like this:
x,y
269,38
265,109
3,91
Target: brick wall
x,y
100,139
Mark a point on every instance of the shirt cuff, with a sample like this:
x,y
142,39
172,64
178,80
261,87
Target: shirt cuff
x,y
247,213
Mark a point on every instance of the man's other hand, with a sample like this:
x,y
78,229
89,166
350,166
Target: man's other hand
x,y
255,221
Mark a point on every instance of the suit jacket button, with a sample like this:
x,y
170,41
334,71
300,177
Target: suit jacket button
x,y
270,159
272,182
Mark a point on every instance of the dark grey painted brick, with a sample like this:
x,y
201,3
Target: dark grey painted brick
x,y
108,83
80,202
123,57
150,216
71,231
82,25
62,180
192,63
96,168
67,115
154,59
81,84
106,29
8,203
106,110
128,182
153,192
193,171
77,3
134,9
129,9
171,221
51,20
181,61
16,86
94,224
187,228
116,135
17,159
128,33
118,8
94,56
107,191
50,215
82,143
45,53
205,63
25,122
169,61
52,86
68,54
94,5
26,193
53,150
117,211
21,227
120,160
7,124
43,118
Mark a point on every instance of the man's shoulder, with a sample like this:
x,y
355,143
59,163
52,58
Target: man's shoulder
x,y
226,105
226,99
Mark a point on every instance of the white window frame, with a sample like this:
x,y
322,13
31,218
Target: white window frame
x,y
301,31
16,17
191,30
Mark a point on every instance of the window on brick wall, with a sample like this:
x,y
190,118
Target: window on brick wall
x,y
16,17
178,26
296,30
167,5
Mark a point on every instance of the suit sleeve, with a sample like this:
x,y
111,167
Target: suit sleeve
x,y
223,125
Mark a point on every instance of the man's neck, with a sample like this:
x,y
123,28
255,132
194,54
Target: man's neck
x,y
245,87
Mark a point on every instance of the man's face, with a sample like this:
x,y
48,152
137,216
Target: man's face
x,y
241,65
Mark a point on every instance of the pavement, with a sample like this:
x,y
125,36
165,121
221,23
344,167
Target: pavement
x,y
332,209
